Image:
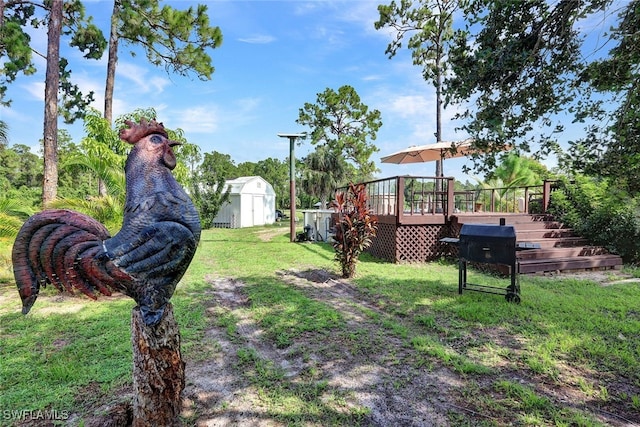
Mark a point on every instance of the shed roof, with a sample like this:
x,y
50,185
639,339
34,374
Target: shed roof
x,y
238,184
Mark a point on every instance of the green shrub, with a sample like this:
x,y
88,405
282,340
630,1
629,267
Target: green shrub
x,y
615,228
599,212
355,228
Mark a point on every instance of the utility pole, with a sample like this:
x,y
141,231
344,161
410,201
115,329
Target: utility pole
x,y
292,181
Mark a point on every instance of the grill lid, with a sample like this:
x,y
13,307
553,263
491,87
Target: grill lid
x,y
488,243
487,230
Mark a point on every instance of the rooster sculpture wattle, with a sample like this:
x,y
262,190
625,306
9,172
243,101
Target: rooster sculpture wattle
x,y
144,260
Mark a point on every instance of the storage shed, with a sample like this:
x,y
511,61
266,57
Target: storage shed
x,y
252,202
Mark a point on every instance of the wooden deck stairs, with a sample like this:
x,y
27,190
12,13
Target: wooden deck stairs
x,y
560,249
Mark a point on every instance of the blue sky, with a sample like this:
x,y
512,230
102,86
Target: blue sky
x,y
275,56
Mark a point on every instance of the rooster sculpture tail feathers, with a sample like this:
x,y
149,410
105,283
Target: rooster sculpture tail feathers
x,y
63,248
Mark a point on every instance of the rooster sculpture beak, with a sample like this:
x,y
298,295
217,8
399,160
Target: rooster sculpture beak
x,y
169,156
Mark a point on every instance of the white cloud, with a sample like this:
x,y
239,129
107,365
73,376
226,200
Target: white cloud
x,y
409,105
207,118
364,14
198,119
36,90
305,8
372,78
258,39
139,76
248,105
331,35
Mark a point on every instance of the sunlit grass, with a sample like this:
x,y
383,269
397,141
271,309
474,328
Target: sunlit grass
x,y
67,343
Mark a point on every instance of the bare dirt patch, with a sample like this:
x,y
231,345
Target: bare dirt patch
x,y
269,233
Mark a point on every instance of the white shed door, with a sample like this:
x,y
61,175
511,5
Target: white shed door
x,y
258,210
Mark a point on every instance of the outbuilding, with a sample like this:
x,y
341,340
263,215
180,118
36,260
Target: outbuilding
x,y
252,202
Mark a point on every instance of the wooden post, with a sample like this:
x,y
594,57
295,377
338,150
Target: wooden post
x,y
451,197
158,371
399,199
546,195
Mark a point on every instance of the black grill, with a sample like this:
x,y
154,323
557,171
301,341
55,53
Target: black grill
x,y
489,244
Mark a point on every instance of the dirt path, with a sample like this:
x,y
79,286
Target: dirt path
x,y
375,375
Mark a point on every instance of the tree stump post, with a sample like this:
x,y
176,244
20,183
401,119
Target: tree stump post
x,y
158,371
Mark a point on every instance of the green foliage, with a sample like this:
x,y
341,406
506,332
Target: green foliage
x,y
209,196
30,198
177,39
616,228
513,62
610,105
505,184
342,123
13,213
102,154
598,211
355,228
108,210
72,181
208,190
429,23
16,50
519,171
19,167
323,173
15,46
216,164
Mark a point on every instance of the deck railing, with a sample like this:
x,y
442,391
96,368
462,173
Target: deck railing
x,y
526,199
410,197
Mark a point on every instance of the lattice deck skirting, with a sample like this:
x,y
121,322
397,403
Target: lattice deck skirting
x,y
452,250
410,243
384,244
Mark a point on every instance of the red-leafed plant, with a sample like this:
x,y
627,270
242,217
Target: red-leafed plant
x,y
355,228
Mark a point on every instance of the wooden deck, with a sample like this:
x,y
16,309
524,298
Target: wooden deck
x,y
414,217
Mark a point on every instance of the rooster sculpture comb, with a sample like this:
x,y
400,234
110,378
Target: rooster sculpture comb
x,y
144,260
135,132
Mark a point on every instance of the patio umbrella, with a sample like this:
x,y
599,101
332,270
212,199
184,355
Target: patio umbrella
x,y
431,152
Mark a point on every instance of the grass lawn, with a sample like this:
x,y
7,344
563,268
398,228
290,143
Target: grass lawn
x,y
569,337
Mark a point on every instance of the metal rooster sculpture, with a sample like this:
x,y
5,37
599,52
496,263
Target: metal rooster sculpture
x,y
144,260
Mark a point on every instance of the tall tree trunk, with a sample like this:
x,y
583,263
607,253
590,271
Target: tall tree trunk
x,y
158,371
111,62
111,76
439,170
440,184
52,83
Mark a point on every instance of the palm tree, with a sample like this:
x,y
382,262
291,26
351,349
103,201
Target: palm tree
x,y
108,210
13,213
107,166
517,171
513,173
324,172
